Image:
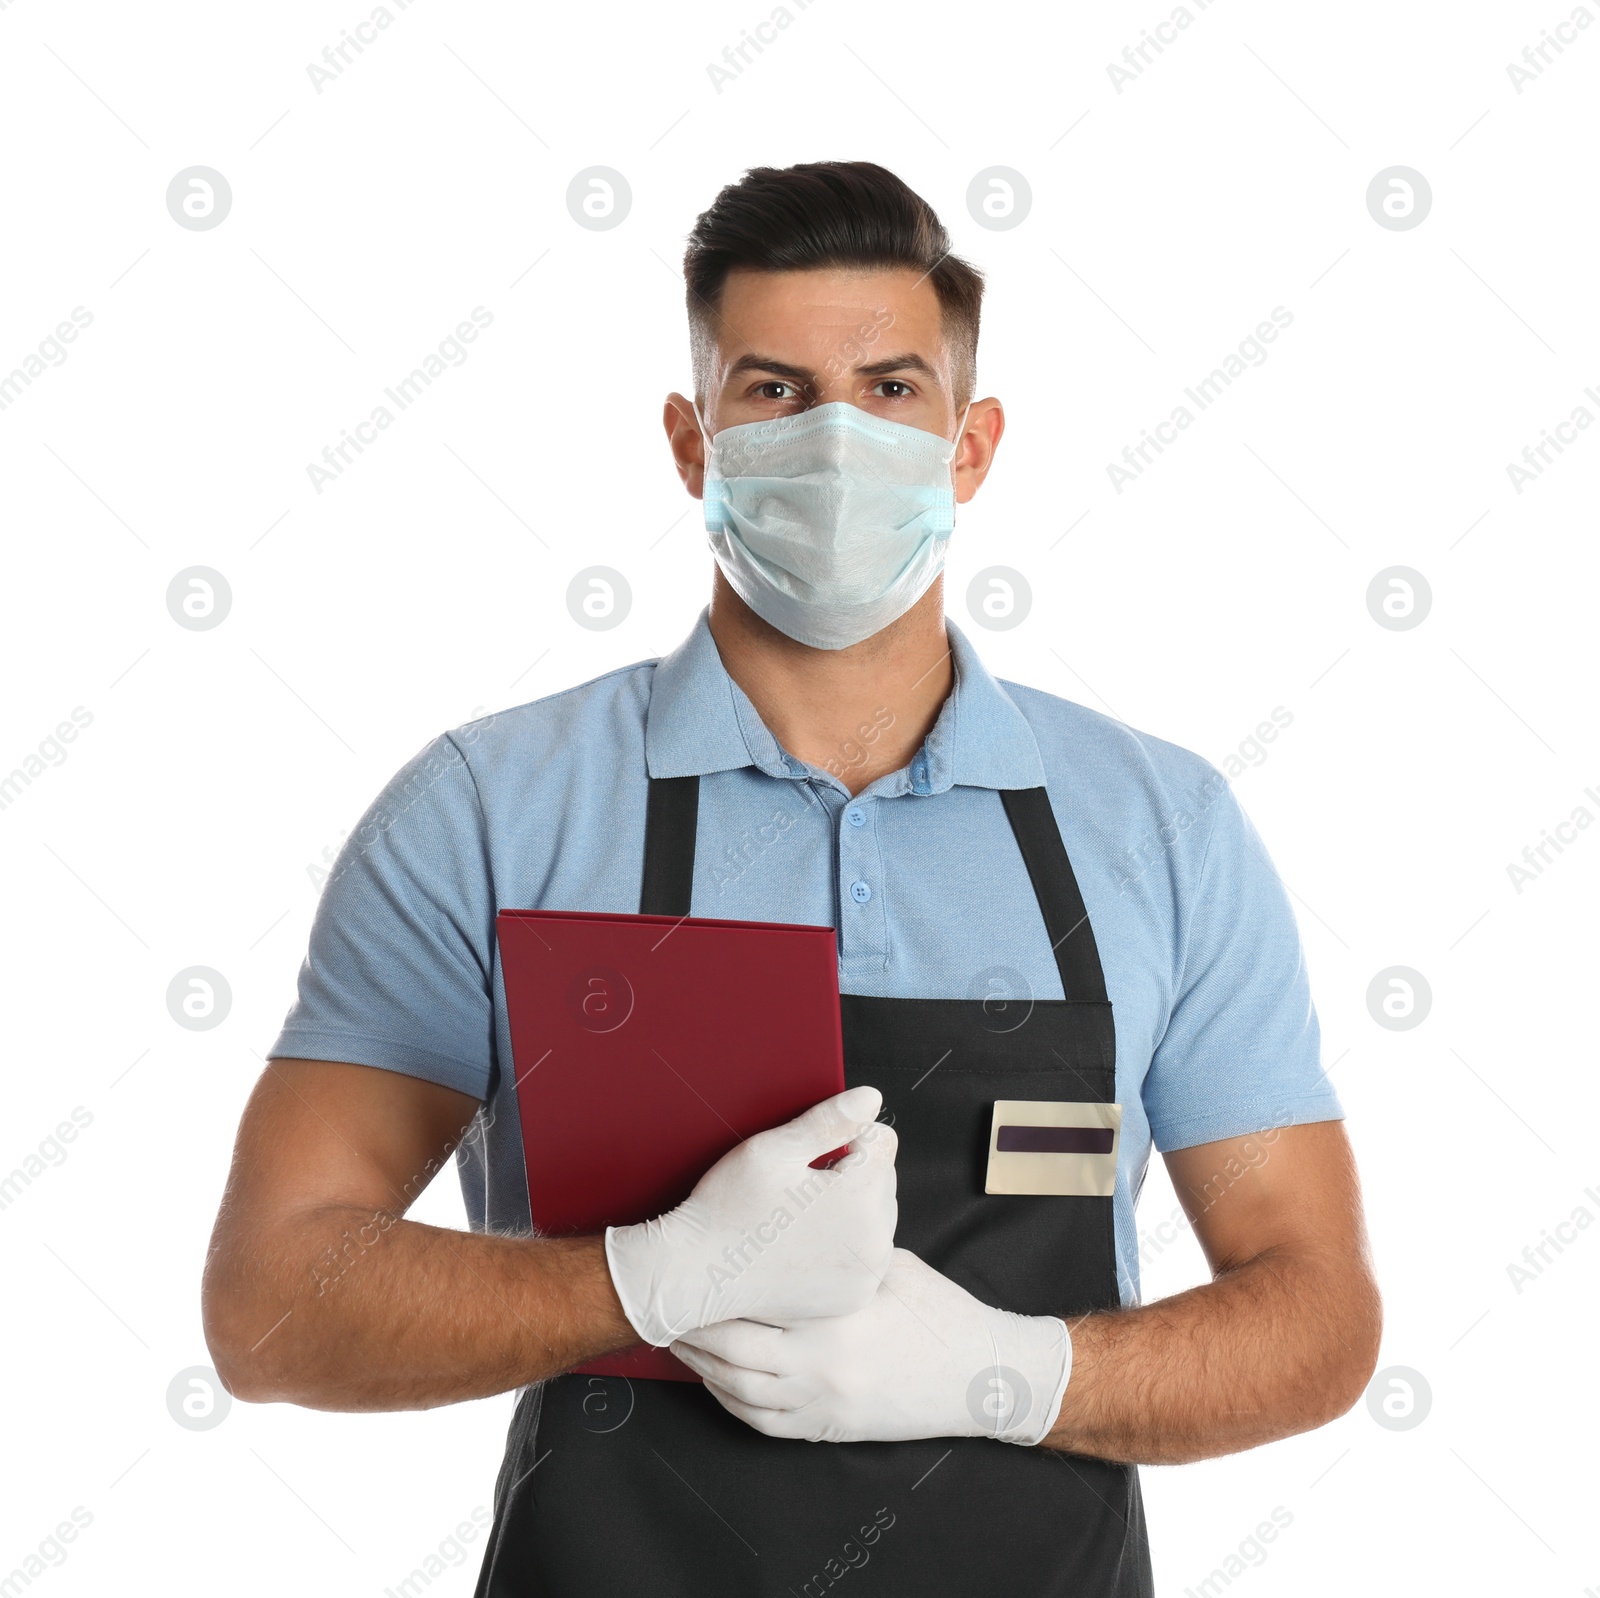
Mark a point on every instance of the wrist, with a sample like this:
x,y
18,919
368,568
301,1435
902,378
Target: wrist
x,y
1033,1364
566,1306
635,1257
602,1304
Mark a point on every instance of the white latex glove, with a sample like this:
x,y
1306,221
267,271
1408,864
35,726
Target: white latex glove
x,y
923,1359
762,1235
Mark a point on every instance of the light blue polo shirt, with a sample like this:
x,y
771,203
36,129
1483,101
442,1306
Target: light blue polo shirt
x,y
543,806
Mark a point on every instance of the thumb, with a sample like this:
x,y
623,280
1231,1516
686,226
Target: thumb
x,y
875,1144
834,1121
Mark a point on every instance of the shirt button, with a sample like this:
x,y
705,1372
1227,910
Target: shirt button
x,y
860,891
856,816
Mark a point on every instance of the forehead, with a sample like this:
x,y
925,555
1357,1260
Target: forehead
x,y
805,317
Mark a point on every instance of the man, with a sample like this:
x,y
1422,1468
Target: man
x,y
1044,918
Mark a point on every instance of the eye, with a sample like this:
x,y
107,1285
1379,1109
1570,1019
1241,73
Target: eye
x,y
905,390
766,390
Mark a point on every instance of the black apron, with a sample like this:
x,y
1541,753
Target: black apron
x,y
613,1487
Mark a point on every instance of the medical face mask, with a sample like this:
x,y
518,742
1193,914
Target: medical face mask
x,y
831,523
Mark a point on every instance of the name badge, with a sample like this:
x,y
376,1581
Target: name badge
x,y
1066,1150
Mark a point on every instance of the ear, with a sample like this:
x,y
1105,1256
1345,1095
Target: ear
x,y
980,438
686,442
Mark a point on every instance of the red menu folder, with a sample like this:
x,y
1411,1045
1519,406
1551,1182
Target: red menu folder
x,y
646,1047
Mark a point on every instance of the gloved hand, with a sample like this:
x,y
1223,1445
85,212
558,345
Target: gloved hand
x,y
762,1235
923,1359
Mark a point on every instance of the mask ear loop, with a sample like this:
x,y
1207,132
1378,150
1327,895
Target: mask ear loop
x,y
707,449
705,437
955,443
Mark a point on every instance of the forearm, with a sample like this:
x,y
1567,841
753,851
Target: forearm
x,y
343,1308
1281,1344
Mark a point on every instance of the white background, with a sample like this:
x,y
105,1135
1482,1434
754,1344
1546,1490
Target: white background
x,y
427,585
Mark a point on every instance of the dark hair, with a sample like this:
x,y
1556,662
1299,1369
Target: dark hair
x,y
821,214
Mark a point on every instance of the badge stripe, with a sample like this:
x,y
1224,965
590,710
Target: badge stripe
x,y
1054,1140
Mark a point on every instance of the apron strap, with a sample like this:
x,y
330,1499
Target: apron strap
x,y
669,827
669,839
1056,888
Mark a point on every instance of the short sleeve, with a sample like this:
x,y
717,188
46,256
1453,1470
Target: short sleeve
x,y
1242,1049
399,971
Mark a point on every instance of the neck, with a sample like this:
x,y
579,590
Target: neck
x,y
858,712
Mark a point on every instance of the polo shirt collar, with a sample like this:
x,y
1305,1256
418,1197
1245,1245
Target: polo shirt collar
x,y
700,721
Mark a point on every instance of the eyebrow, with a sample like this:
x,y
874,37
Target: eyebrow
x,y
907,362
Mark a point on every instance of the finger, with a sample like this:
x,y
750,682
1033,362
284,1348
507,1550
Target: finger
x,y
756,1388
769,1422
748,1344
834,1121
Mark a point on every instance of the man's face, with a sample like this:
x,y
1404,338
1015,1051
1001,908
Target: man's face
x,y
789,341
